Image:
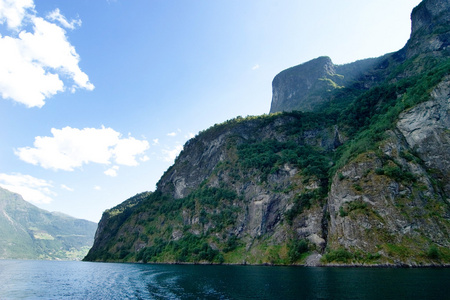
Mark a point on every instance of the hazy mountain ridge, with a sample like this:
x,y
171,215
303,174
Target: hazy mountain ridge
x,y
362,179
28,232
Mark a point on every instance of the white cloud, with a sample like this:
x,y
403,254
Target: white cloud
x,y
30,188
174,133
190,135
13,12
65,187
255,67
171,154
17,73
156,142
126,150
34,65
57,16
112,171
71,148
97,188
144,158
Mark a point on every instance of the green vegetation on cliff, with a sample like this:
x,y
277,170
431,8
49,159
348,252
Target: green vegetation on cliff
x,y
203,226
346,180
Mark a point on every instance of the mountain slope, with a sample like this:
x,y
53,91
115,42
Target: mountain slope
x,y
27,232
360,177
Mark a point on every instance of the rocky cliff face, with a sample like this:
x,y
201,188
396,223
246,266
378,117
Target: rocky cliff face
x,y
308,86
430,20
227,199
426,131
300,87
386,203
363,179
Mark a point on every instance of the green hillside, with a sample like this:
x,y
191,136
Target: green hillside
x,y
27,232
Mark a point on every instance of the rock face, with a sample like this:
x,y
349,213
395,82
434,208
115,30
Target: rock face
x,y
430,20
361,176
308,86
300,87
224,196
426,130
372,209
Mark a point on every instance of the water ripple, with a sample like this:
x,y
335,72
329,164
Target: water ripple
x,y
97,281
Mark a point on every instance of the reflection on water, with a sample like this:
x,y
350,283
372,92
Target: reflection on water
x,y
83,280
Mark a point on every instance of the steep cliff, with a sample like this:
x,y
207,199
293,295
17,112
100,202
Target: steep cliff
x,y
235,192
361,178
429,30
308,86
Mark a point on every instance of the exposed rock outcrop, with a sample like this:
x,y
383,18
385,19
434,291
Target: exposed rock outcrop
x,y
429,30
308,86
426,130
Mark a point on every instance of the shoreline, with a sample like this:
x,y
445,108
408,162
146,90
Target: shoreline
x,y
332,265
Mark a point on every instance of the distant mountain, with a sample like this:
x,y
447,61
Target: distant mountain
x,y
28,232
351,168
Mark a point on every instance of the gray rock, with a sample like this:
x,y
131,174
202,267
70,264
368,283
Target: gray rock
x,y
426,129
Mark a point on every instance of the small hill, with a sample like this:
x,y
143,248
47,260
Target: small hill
x,y
28,232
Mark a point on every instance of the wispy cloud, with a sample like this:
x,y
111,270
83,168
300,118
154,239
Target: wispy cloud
x,y
174,133
171,153
169,148
144,158
97,188
255,67
71,148
42,60
65,187
57,16
112,171
30,188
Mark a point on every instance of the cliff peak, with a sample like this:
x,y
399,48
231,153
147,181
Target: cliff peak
x,y
298,88
430,23
309,86
428,13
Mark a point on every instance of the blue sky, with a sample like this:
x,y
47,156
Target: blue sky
x,y
98,97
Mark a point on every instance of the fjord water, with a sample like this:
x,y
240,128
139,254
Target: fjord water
x,y
84,280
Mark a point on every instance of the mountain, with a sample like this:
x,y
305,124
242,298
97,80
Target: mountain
x,y
350,168
27,232
307,86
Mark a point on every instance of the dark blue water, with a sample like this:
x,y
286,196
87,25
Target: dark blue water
x,y
82,280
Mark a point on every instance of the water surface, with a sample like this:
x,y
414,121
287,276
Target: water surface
x,y
84,280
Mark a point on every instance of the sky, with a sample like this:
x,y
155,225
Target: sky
x,y
97,98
